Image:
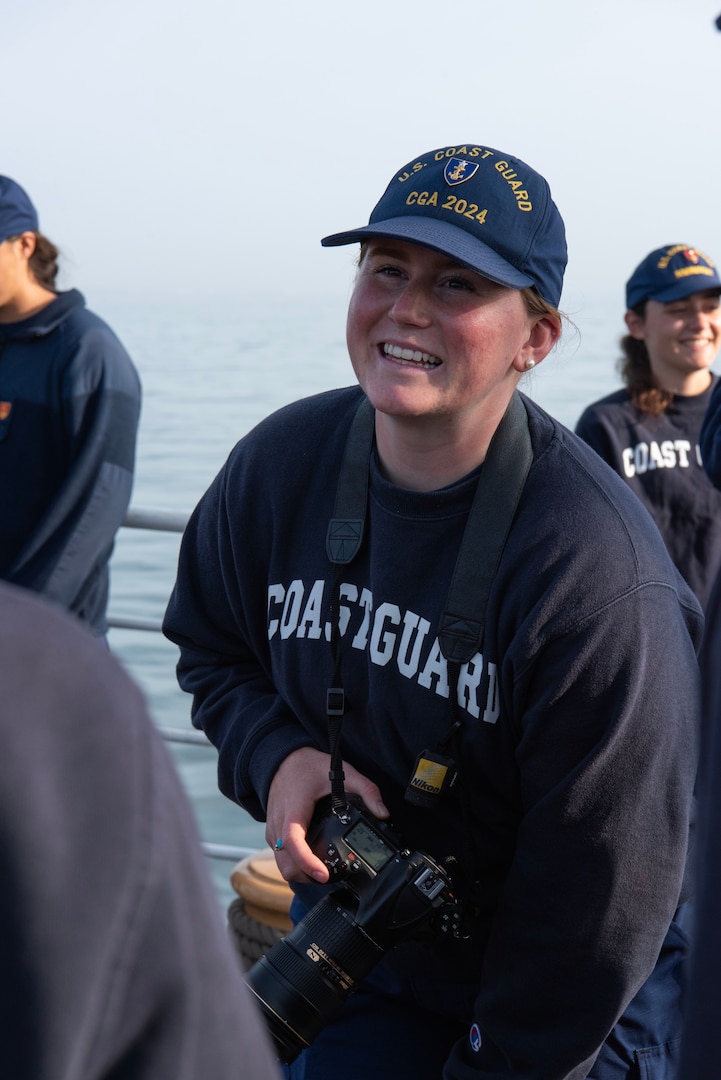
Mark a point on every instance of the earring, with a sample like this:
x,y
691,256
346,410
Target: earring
x,y
530,364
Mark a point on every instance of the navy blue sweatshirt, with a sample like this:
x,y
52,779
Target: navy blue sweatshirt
x,y
710,439
69,410
660,460
702,1031
701,1058
578,738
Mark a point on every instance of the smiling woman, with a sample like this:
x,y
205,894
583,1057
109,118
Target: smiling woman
x,y
445,592
649,432
432,340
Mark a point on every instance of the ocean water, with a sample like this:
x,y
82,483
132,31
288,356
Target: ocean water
x,y
211,369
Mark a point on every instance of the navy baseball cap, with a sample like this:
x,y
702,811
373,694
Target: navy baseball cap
x,y
671,273
485,209
17,213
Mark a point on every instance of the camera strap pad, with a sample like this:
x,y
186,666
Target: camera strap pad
x,y
345,529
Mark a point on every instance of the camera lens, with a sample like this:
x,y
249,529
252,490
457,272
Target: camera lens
x,y
303,981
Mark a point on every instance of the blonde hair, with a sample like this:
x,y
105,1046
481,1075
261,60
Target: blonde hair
x,y
536,305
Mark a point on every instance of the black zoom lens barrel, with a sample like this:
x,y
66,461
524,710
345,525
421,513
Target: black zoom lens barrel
x,y
308,975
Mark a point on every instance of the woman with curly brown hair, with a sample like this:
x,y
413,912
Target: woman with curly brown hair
x,y
648,432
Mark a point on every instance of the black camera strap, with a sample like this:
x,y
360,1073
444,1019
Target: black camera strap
x,y
498,492
461,627
343,540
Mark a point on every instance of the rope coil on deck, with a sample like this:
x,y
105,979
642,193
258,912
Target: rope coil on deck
x,y
260,915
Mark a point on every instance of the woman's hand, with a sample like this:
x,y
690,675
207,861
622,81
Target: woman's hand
x,y
301,780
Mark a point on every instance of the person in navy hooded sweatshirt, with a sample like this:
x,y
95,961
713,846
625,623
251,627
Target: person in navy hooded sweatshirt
x,y
69,411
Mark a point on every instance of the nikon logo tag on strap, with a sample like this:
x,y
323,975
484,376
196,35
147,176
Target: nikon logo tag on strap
x,y
433,775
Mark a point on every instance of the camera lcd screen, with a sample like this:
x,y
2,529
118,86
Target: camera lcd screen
x,y
371,847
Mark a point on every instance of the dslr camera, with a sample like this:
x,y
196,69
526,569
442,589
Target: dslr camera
x,y
386,894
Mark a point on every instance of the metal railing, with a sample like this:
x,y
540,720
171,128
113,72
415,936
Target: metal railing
x,y
172,521
146,517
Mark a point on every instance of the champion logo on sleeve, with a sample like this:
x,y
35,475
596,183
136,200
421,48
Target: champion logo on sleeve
x,y
475,1038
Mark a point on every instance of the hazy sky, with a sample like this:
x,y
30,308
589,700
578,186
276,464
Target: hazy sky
x,y
206,147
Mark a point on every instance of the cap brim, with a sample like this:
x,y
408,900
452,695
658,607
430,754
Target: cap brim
x,y
681,289
443,237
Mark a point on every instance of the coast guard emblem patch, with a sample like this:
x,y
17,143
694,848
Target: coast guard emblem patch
x,y
5,407
457,171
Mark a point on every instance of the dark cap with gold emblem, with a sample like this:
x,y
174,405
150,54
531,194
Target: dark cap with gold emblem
x,y
485,209
671,273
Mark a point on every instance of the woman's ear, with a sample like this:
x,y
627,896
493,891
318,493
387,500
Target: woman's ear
x,y
636,325
25,244
544,334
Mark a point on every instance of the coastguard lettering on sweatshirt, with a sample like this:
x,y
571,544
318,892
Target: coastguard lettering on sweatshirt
x,y
386,634
646,456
